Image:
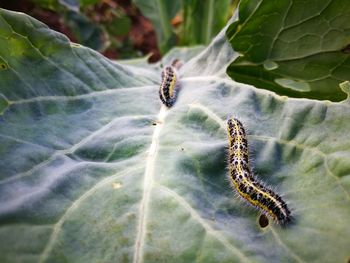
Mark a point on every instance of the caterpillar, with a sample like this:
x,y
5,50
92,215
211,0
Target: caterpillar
x,y
243,180
169,87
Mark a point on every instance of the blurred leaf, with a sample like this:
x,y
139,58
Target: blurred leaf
x,y
203,19
160,12
73,5
87,32
93,169
56,5
86,3
119,26
294,48
48,4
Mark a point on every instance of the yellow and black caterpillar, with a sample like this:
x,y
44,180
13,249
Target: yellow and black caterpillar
x,y
169,86
243,180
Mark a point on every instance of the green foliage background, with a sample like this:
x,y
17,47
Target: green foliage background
x,y
294,48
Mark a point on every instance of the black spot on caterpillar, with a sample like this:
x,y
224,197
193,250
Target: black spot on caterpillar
x,y
169,86
243,180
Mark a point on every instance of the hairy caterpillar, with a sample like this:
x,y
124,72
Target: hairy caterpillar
x,y
243,180
169,87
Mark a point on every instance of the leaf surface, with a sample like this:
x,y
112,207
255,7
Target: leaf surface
x,y
295,48
94,169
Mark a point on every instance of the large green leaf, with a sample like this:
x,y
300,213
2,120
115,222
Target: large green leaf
x,y
93,169
295,48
